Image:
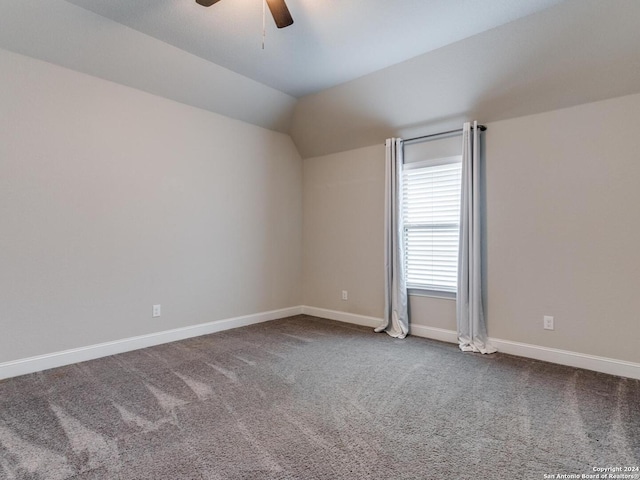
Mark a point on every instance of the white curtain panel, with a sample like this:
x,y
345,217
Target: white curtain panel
x,y
396,320
472,330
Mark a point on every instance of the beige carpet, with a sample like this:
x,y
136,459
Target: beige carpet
x,y
305,398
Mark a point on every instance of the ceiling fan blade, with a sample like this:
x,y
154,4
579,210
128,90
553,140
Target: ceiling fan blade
x,y
280,13
206,3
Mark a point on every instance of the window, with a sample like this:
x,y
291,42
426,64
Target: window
x,y
431,208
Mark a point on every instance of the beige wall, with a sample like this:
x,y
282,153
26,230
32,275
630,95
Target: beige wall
x,y
562,233
342,231
112,200
562,228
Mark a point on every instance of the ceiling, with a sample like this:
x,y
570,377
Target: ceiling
x,y
576,52
348,73
331,41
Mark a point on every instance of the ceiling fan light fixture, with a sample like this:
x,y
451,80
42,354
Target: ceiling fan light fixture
x,y
278,8
280,12
206,3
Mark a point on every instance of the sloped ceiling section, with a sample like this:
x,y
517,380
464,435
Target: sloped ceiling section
x,y
576,52
59,32
331,41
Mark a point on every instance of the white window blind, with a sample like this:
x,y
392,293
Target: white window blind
x,y
431,207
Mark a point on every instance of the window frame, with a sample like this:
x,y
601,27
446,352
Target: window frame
x,y
413,289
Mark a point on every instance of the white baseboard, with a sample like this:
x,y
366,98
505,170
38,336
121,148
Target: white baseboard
x,y
434,333
75,355
611,366
352,318
67,357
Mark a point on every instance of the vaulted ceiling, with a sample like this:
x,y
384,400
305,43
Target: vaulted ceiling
x,y
331,41
347,73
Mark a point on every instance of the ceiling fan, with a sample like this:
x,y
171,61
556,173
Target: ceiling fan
x,y
278,9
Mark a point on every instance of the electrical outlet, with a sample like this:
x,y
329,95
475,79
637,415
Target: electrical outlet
x,y
345,295
547,322
156,311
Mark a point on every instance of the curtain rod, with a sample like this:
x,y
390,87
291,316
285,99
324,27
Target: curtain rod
x,y
482,128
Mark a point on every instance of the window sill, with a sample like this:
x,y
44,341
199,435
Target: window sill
x,y
418,292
